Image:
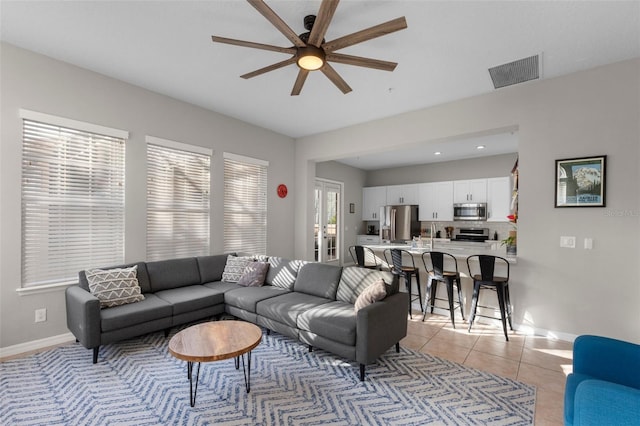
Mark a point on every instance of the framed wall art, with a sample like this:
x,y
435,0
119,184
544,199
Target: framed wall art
x,y
580,182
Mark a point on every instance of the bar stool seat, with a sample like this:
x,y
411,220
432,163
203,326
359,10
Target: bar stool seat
x,y
484,278
434,264
407,270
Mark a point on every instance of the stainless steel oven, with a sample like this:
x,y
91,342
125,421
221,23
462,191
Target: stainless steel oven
x,y
470,211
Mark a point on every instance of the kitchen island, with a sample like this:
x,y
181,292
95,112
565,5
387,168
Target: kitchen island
x,y
460,250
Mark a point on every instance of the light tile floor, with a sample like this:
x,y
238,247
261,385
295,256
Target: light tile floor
x,y
535,360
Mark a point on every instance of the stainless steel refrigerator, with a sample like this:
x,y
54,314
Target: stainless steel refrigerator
x,y
399,223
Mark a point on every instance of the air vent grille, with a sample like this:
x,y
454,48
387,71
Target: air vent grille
x,y
515,72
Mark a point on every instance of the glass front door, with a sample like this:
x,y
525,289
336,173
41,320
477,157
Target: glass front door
x,y
328,212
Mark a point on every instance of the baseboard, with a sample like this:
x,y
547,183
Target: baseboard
x,y
35,345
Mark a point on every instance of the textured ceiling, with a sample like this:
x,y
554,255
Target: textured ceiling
x,y
443,55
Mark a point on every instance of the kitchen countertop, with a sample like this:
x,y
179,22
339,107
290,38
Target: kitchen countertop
x,y
459,249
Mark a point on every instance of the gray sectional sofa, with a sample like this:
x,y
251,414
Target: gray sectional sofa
x,y
311,302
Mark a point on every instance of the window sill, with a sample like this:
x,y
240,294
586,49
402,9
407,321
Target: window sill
x,y
28,291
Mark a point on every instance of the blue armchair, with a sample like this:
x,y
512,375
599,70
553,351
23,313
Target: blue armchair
x,y
604,388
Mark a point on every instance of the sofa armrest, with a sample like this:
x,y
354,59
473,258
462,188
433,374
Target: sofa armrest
x,y
607,359
83,316
598,403
380,326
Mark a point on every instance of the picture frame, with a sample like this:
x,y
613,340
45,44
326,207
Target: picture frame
x,y
352,208
581,182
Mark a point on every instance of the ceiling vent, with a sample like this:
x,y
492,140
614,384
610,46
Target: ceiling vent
x,y
516,72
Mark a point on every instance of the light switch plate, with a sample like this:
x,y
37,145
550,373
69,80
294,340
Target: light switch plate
x,y
568,242
588,243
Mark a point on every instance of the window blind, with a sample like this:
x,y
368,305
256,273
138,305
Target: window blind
x,y
72,201
178,181
245,204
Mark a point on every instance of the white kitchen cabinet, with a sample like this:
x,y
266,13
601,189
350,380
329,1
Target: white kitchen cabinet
x,y
373,198
498,199
470,191
435,201
402,194
364,240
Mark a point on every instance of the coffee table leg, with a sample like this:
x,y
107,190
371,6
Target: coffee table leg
x,y
237,361
192,392
247,371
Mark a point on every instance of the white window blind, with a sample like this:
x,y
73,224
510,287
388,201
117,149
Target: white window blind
x,y
178,181
72,199
245,204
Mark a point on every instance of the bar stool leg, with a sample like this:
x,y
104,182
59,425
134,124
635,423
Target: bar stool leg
x,y
407,283
422,308
450,297
474,303
501,301
429,294
506,292
459,286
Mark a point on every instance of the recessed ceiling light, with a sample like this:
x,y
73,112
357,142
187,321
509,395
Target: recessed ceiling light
x,y
437,153
480,147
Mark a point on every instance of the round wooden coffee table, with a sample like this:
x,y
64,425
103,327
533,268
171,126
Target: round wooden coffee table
x,y
215,341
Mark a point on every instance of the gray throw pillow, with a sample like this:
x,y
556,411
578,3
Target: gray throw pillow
x,y
254,274
375,292
114,287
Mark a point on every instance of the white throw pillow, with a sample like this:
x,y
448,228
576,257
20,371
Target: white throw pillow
x,y
234,268
114,287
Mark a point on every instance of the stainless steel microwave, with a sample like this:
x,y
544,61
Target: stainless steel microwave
x,y
470,211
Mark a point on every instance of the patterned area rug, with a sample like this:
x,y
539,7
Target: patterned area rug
x,y
137,382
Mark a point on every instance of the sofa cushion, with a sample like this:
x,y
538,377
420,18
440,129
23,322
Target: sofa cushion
x,y
247,298
191,298
335,321
254,274
318,279
114,287
149,309
283,272
142,276
287,307
374,293
211,267
234,268
173,273
222,286
355,280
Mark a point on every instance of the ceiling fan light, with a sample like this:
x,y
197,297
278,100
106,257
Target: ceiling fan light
x,y
310,58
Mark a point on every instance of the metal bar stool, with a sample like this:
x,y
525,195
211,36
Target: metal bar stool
x,y
406,270
434,264
364,257
484,277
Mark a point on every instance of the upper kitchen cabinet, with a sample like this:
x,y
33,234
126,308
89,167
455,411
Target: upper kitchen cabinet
x,y
499,199
373,198
435,201
402,194
470,191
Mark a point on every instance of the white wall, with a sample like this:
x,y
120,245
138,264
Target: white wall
x,y
564,291
38,83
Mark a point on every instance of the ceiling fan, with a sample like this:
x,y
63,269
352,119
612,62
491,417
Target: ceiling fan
x,y
311,52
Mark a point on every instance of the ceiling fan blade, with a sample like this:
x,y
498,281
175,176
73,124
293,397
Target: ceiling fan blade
x,y
366,34
277,22
323,19
361,62
335,78
297,86
243,43
269,68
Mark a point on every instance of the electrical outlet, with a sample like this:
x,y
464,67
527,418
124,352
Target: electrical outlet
x,y
41,315
588,243
568,242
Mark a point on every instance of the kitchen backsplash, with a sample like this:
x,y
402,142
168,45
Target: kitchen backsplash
x,y
502,228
